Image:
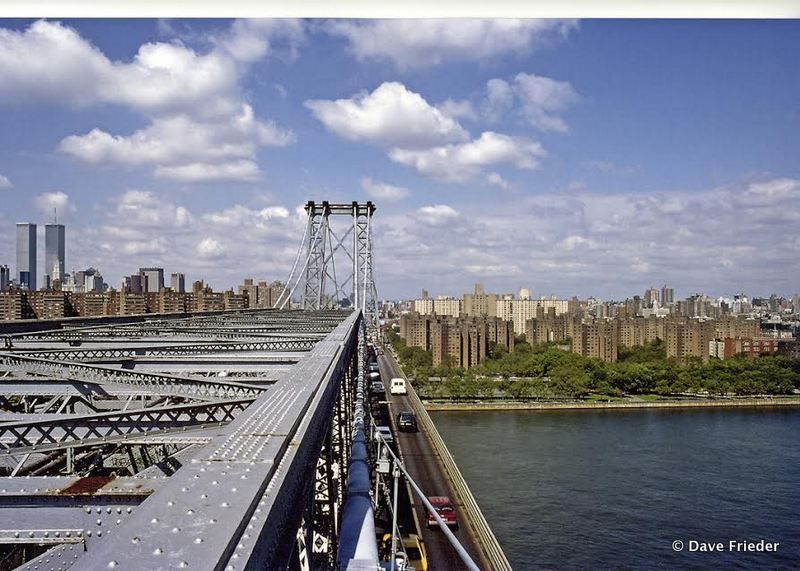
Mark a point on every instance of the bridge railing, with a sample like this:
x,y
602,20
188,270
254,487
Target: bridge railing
x,y
483,533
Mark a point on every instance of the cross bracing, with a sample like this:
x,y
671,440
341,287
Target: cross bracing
x,y
232,418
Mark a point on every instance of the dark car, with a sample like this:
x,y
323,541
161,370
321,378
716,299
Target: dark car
x,y
373,367
407,422
377,388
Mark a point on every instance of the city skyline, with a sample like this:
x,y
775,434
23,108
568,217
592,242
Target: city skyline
x,y
550,154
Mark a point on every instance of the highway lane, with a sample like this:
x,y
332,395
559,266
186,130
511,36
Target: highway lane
x,y
423,465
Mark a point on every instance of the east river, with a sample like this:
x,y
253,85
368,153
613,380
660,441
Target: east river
x,y
635,489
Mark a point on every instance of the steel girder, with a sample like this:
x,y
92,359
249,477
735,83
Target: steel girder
x,y
91,429
173,350
237,504
157,383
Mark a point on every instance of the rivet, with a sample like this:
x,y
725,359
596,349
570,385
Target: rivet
x,y
99,522
112,564
198,540
189,511
183,564
158,551
176,530
135,540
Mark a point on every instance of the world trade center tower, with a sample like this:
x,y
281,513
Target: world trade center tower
x,y
54,237
26,254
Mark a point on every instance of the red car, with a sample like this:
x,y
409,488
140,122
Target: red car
x,y
444,507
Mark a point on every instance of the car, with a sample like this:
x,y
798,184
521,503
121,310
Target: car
x,y
385,432
410,553
444,507
373,367
377,388
407,422
398,387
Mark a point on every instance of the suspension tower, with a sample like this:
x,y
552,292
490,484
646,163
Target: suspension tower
x,y
337,269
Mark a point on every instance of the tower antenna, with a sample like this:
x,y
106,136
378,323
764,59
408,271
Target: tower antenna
x,y
55,215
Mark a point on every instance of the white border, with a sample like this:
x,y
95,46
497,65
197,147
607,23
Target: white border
x,y
400,8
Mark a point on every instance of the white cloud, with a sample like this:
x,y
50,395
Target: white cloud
x,y
458,163
496,180
48,201
499,99
184,149
144,210
540,99
429,42
436,214
5,182
211,248
144,247
390,115
200,127
609,245
252,39
200,172
457,109
383,191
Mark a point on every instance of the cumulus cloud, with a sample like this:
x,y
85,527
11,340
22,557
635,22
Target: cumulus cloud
x,y
200,127
390,115
719,241
495,179
458,163
49,201
383,191
5,182
211,248
436,213
540,100
430,42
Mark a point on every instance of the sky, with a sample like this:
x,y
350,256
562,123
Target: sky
x,y
593,157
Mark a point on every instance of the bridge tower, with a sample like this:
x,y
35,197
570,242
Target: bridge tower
x,y
337,269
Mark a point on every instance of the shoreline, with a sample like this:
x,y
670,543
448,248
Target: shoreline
x,y
511,405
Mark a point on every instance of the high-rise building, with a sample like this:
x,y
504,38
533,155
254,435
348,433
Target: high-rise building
x,y
5,278
54,249
152,279
667,295
651,297
26,255
178,282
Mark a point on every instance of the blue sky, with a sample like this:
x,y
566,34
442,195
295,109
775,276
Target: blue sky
x,y
574,158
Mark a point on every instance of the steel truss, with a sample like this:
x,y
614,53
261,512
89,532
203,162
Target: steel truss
x,y
157,383
168,350
318,283
90,429
256,474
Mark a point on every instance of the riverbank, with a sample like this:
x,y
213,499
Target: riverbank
x,y
693,403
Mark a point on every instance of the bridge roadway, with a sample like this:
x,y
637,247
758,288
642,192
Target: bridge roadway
x,y
424,466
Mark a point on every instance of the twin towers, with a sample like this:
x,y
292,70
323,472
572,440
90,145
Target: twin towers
x,y
54,253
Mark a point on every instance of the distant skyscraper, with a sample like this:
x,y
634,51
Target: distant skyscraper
x,y
178,282
5,277
667,295
26,254
152,279
650,297
54,241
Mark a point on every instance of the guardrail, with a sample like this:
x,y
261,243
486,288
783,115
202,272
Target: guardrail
x,y
483,533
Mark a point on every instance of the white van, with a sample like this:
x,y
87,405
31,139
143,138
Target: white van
x,y
398,387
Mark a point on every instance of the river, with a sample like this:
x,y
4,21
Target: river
x,y
616,489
